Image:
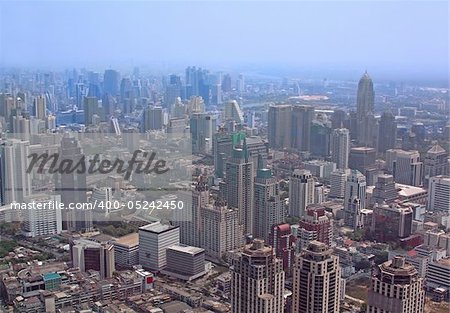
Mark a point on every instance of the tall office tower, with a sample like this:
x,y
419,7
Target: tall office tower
x,y
321,137
396,287
257,280
384,191
189,219
387,132
202,127
283,242
390,223
91,255
361,158
192,81
233,112
352,125
222,148
239,186
301,192
302,117
354,199
72,187
154,239
40,107
436,163
226,83
216,94
439,193
7,106
91,108
152,118
317,282
126,90
338,119
45,221
337,183
111,80
268,207
240,84
279,126
173,90
15,182
364,110
314,225
340,147
407,168
221,229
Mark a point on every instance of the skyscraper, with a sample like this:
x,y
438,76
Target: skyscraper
x,y
439,193
42,222
203,127
340,147
221,229
337,183
407,167
364,110
233,112
239,186
283,242
257,280
384,190
301,192
396,287
387,132
436,163
316,282
152,118
40,108
354,199
72,187
314,225
279,126
111,80
268,207
302,117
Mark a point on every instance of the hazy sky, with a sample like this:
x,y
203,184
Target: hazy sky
x,y
378,35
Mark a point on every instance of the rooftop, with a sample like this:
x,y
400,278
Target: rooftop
x,y
129,240
157,227
186,249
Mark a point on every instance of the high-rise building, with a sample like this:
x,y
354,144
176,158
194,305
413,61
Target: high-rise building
x,y
91,108
340,147
320,169
385,190
154,239
364,110
233,112
153,118
279,126
72,187
361,158
435,163
338,119
185,262
203,127
44,221
391,222
302,117
320,137
257,280
354,199
91,255
439,193
15,182
406,167
337,183
317,280
111,80
126,250
301,192
268,207
387,132
189,219
221,229
314,225
240,186
40,107
283,242
396,287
